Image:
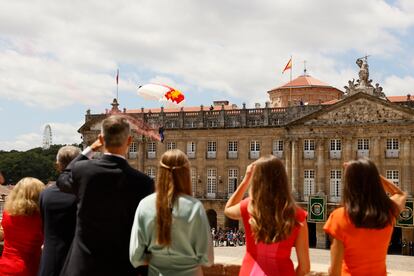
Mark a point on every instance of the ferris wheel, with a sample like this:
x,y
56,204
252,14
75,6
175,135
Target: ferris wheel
x,y
47,137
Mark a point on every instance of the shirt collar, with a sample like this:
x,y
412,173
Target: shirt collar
x,y
117,155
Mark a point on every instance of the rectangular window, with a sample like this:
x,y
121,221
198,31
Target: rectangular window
x,y
394,176
151,172
308,183
363,144
211,182
171,145
335,144
232,180
393,148
151,150
193,173
191,148
336,185
335,149
392,144
212,146
254,149
133,147
232,148
278,145
309,144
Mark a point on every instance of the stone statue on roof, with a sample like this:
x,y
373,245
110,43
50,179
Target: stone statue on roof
x,y
363,84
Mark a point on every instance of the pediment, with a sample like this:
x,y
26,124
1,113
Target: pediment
x,y
360,110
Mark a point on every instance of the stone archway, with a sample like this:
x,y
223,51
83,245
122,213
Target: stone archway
x,y
312,234
212,218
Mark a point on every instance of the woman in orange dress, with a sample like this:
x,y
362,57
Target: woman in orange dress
x,y
22,226
362,228
272,221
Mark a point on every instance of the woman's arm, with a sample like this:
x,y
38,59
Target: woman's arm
x,y
302,250
232,209
399,197
337,255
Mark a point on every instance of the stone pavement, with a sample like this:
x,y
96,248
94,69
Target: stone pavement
x,y
396,264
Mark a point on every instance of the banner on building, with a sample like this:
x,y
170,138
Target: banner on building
x,y
317,209
405,219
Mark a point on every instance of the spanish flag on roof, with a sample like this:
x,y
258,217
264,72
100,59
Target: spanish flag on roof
x,y
288,65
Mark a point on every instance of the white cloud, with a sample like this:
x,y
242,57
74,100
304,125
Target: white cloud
x,y
62,133
55,54
399,86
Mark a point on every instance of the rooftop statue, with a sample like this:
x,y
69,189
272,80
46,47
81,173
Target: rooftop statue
x,y
363,84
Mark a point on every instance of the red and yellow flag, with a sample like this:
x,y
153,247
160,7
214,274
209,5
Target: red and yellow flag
x,y
288,66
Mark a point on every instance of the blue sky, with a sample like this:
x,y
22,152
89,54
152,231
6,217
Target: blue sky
x,y
57,59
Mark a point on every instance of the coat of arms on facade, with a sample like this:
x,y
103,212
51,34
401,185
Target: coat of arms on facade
x,y
364,83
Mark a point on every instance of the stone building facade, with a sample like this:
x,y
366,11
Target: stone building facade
x,y
313,141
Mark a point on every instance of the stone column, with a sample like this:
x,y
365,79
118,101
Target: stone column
x,y
141,155
288,160
320,165
295,168
320,235
347,150
376,148
406,183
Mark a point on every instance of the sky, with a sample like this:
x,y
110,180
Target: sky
x,y
59,58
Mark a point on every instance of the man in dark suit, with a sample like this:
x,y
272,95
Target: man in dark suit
x,y
58,212
109,191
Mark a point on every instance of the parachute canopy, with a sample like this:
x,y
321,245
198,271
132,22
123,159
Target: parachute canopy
x,y
163,93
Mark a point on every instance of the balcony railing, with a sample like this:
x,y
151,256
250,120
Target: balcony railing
x,y
232,154
278,153
254,154
211,154
191,154
132,155
392,153
151,154
309,154
335,154
362,153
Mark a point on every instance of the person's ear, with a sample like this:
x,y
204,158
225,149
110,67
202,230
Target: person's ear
x,y
101,139
129,142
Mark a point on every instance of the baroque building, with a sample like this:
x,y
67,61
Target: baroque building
x,y
313,140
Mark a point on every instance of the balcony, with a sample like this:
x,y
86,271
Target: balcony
x,y
309,154
335,199
151,154
232,154
278,153
392,153
254,154
335,154
132,155
211,154
211,195
191,154
362,153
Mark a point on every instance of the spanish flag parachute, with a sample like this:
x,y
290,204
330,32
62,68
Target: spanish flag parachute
x,y
163,93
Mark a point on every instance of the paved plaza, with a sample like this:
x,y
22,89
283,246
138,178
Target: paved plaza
x,y
396,264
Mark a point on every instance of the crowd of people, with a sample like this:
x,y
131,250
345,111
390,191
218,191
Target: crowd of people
x,y
102,217
228,237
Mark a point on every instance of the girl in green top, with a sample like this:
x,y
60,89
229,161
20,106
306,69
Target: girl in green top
x,y
171,232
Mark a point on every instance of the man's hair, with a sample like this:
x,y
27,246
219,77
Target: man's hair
x,y
66,154
115,131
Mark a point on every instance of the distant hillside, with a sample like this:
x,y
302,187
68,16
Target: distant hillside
x,y
35,162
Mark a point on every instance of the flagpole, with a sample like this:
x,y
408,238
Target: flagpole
x,y
117,84
290,88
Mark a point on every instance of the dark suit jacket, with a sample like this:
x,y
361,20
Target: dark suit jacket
x,y
58,212
109,191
